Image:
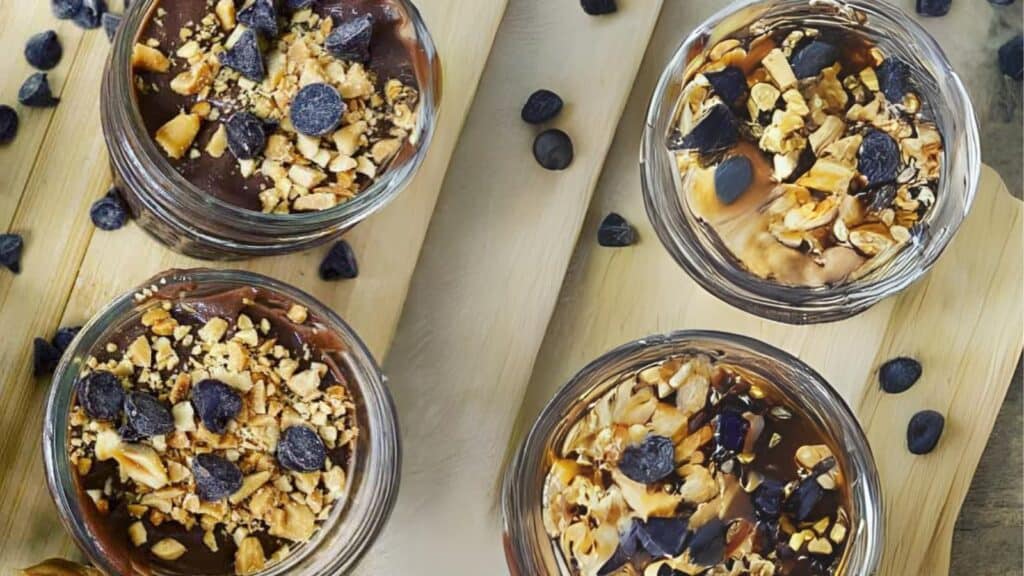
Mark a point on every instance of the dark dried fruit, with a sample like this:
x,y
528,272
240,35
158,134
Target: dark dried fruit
x,y
350,40
899,374
666,570
768,498
542,106
296,5
650,461
628,543
35,92
802,502
216,478
247,135
101,396
933,7
45,357
216,404
129,434
1011,58
894,79
881,197
63,338
245,57
147,415
553,149
43,50
812,57
599,7
111,22
339,263
301,450
89,15
64,9
615,232
924,431
707,548
8,123
879,158
110,212
730,84
732,178
260,16
715,132
317,109
10,251
731,430
663,536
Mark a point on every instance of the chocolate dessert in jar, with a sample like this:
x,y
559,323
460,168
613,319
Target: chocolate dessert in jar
x,y
251,128
804,160
694,453
218,423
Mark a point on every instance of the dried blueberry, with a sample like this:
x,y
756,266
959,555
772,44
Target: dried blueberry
x,y
64,9
63,338
301,450
110,212
812,57
899,374
650,461
350,40
317,109
10,252
111,22
768,498
542,106
147,415
247,135
894,79
933,7
129,434
731,430
732,178
8,123
260,16
216,478
216,403
715,132
599,7
35,92
879,158
296,5
615,232
802,502
1011,58
707,547
730,84
45,357
924,431
339,263
43,50
89,15
553,149
101,396
666,570
628,543
245,57
663,536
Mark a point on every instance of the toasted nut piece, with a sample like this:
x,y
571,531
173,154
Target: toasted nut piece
x,y
810,456
838,533
294,522
142,464
225,11
383,150
177,135
193,80
107,443
723,48
820,546
900,234
168,549
829,131
315,202
306,383
250,484
870,79
346,140
218,142
870,241
305,176
812,215
59,567
137,534
213,330
785,165
827,175
149,59
778,68
249,558
763,97
298,313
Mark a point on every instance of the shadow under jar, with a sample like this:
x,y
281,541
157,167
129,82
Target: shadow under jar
x,y
204,199
787,269
216,423
767,472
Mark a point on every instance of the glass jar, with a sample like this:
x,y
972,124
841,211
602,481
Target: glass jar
x,y
194,222
373,476
529,550
705,258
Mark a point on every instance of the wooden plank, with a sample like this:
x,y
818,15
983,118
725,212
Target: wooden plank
x,y
489,276
52,290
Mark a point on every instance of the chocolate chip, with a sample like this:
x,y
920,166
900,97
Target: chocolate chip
x,y
260,16
732,178
715,132
1011,58
664,537
216,404
804,499
730,84
879,158
8,123
301,450
45,357
247,135
707,548
63,338
894,79
89,15
216,478
542,106
350,40
599,7
10,251
615,232
147,415
812,57
553,149
650,461
899,374
64,9
933,7
43,50
111,22
35,92
245,57
110,212
101,396
317,109
924,431
339,263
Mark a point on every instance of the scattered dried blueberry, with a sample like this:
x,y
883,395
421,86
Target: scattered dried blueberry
x,y
260,16
879,158
111,22
10,251
553,149
599,7
732,178
101,396
731,430
245,57
628,543
296,5
63,338
666,570
45,357
339,263
147,415
768,498
894,79
129,434
650,461
812,57
89,15
707,547
542,106
247,135
35,92
730,84
301,450
899,374
317,109
663,536
43,50
933,7
8,123
64,9
350,40
216,403
216,478
715,132
110,212
615,232
802,502
924,431
1011,58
